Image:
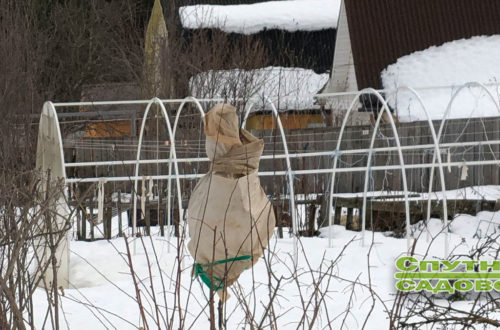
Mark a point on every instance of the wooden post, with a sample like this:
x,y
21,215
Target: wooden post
x,y
280,232
348,223
105,216
147,217
338,214
311,214
92,223
133,123
79,214
323,220
108,214
369,214
84,222
119,209
161,215
176,220
278,211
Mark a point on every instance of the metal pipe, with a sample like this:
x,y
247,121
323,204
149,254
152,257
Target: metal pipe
x,y
301,172
172,143
437,153
50,111
174,130
289,171
91,103
385,108
441,128
296,155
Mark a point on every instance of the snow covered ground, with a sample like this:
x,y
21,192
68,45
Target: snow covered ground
x,y
287,88
103,295
451,64
305,15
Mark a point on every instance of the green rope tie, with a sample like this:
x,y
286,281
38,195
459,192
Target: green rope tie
x,y
199,271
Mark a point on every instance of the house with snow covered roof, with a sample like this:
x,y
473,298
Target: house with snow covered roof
x,y
392,43
305,28
299,40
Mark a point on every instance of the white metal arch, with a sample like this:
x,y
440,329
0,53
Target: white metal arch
x,y
288,165
440,132
437,151
454,96
49,121
174,130
385,109
50,111
247,112
50,157
181,107
335,161
139,146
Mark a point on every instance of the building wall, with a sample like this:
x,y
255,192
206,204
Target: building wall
x,y
111,127
382,31
289,121
118,128
343,77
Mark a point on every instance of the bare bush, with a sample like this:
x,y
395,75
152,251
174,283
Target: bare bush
x,y
29,239
49,51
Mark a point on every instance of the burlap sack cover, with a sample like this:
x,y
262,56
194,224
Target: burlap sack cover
x,y
229,215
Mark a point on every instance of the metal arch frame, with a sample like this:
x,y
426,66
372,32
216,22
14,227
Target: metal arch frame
x,y
247,113
335,161
437,151
454,96
174,130
62,254
250,105
440,132
336,152
154,100
385,108
49,108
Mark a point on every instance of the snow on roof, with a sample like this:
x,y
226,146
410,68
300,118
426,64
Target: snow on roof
x,y
293,15
287,88
451,64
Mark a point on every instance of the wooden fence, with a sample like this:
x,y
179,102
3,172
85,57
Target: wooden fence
x,y
416,133
191,144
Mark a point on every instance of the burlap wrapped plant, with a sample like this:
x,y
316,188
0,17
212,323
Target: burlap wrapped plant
x,y
229,215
